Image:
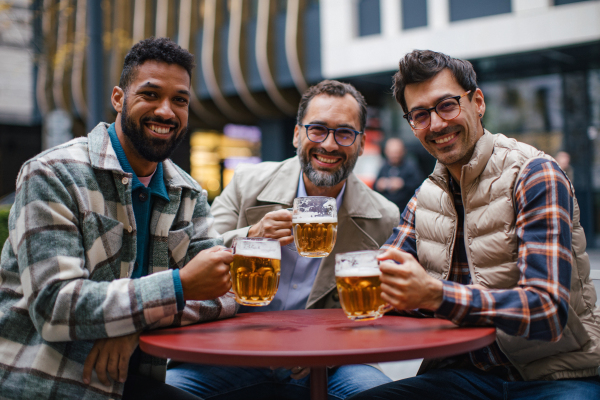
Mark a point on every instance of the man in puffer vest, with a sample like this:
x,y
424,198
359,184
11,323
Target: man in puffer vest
x,y
491,238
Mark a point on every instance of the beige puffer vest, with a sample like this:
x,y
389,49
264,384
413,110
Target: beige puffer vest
x,y
487,184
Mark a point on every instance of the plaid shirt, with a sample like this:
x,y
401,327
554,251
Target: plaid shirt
x,y
64,268
538,307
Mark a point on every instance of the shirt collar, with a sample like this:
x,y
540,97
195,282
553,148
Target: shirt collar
x,y
302,192
157,184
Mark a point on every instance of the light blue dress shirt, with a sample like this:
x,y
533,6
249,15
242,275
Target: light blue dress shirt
x,y
297,273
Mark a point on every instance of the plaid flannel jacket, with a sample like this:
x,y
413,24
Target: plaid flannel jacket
x,y
64,268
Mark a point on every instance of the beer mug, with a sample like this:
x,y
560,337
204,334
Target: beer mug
x,y
357,277
314,224
255,270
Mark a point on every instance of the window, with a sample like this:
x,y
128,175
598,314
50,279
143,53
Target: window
x,y
369,17
414,14
468,9
561,2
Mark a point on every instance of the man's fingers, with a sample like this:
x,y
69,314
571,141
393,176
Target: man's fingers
x,y
302,373
393,269
284,241
279,215
113,366
88,365
396,255
123,367
101,365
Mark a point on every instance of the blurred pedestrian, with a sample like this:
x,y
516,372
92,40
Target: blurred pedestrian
x,y
399,177
563,159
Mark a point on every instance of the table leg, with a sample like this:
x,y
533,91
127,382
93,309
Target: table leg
x,y
318,383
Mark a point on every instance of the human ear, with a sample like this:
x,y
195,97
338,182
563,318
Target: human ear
x,y
296,141
117,97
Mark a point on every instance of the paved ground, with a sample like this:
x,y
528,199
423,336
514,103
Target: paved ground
x,y
405,369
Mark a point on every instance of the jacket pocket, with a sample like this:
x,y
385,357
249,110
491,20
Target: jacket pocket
x,y
522,351
103,243
178,244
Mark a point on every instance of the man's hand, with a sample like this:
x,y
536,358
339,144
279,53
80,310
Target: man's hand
x,y
407,286
206,276
274,225
110,355
395,183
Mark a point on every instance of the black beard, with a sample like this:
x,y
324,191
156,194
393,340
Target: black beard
x,y
322,178
150,148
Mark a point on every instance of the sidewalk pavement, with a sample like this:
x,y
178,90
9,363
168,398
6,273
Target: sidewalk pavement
x,y
406,369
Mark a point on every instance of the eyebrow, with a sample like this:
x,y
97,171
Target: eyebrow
x,y
339,126
442,97
155,86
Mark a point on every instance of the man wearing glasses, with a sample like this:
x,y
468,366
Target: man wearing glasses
x,y
492,238
329,136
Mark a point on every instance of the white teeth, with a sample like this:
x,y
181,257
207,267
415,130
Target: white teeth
x,y
158,129
325,160
445,140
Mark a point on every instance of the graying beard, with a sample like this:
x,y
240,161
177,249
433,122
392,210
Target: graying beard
x,y
323,179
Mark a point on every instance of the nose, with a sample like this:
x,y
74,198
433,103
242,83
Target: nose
x,y
437,123
330,144
164,109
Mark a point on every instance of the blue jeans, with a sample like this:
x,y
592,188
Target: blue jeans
x,y
225,383
460,384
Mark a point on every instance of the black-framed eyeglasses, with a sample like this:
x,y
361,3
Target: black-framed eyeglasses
x,y
343,136
447,109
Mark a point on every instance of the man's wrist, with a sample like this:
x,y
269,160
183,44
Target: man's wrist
x,y
252,231
436,294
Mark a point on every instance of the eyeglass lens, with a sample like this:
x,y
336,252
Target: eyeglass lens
x,y
318,133
447,109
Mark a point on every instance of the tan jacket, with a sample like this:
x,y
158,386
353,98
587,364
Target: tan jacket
x,y
487,185
365,220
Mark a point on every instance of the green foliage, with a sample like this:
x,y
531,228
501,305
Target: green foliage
x,y
3,224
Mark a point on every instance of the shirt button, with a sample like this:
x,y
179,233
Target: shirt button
x,y
129,229
295,286
125,181
143,196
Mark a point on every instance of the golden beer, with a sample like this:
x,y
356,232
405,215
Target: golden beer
x,y
255,279
315,237
255,270
358,281
360,294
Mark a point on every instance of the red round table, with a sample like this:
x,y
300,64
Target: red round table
x,y
314,338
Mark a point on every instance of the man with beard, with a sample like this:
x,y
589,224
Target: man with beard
x,y
329,136
108,238
491,238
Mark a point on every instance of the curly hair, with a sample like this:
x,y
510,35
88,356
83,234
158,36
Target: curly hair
x,y
422,65
333,88
154,49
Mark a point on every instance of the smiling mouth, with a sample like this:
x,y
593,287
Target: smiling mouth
x,y
445,139
326,160
162,130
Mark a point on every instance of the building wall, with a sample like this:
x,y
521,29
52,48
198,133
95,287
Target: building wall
x,y
16,65
531,25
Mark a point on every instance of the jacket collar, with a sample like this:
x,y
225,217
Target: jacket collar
x,y
103,156
283,186
470,171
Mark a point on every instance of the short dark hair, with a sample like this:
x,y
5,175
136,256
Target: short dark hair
x,y
154,49
422,65
333,88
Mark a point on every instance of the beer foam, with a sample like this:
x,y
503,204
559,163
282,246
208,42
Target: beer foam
x,y
248,251
362,272
307,219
